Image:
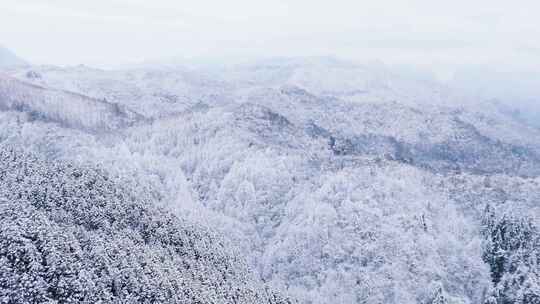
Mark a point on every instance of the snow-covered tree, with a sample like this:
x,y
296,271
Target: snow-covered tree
x,y
512,250
73,235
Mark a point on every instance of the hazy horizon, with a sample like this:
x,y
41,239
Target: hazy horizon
x,y
439,37
488,48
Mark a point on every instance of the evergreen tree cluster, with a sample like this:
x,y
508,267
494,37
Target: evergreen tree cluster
x,y
72,235
512,251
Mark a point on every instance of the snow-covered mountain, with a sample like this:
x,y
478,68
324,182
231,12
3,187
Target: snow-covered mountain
x,y
8,59
153,92
338,183
64,107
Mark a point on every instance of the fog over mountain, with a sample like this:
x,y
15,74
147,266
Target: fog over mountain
x,y
158,153
516,91
9,60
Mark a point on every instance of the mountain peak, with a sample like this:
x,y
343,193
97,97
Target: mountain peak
x,y
8,59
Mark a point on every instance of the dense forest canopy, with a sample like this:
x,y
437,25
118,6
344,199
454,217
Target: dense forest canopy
x,y
308,180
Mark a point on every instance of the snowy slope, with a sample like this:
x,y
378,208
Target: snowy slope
x,y
72,235
337,182
70,109
9,60
156,92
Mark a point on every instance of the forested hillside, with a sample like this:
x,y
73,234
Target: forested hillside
x,y
321,179
71,235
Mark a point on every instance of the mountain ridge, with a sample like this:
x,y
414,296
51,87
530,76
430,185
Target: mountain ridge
x,y
8,59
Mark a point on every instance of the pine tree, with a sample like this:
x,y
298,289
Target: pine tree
x,y
512,250
438,296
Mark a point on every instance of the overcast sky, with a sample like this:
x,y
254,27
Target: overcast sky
x,y
432,33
